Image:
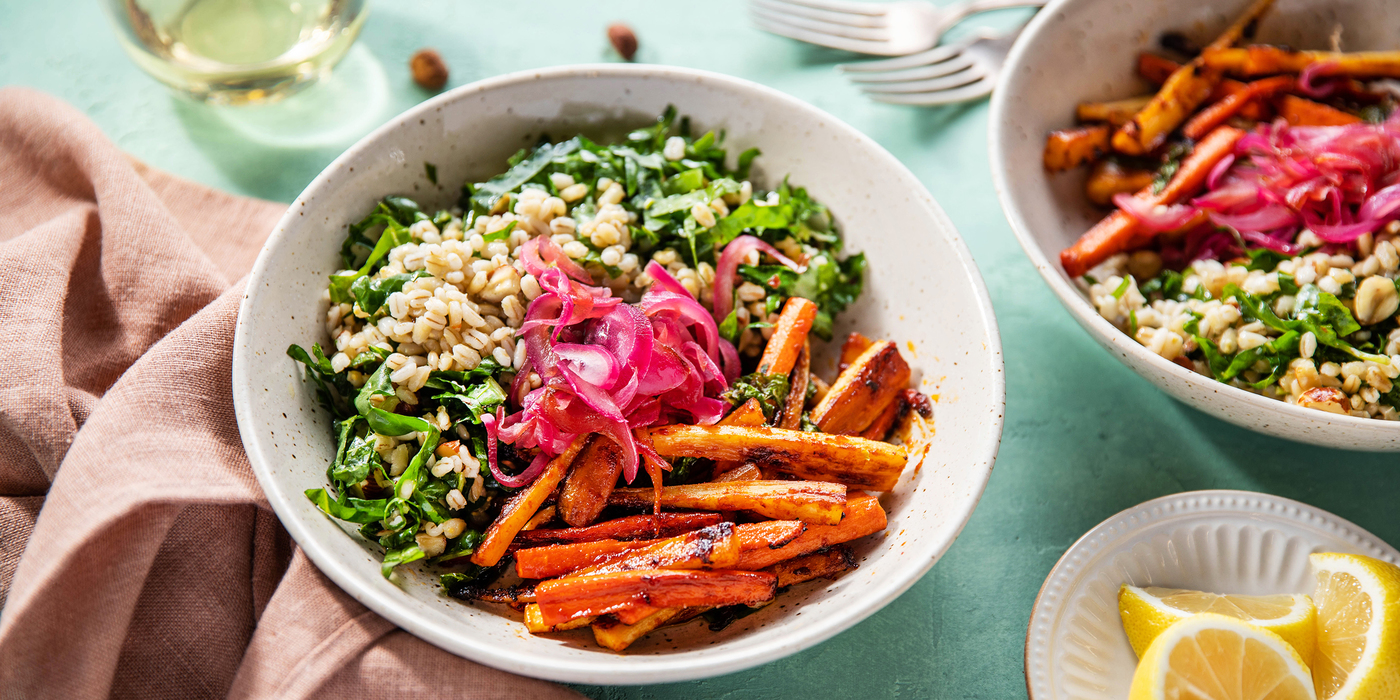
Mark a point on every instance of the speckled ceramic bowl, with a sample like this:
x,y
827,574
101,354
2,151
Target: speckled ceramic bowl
x,y
923,290
1078,50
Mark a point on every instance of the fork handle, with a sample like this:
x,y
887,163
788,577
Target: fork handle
x,y
963,10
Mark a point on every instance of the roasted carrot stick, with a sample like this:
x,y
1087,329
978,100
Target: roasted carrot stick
x,y
1183,92
819,564
632,527
585,491
880,427
1216,114
749,413
1116,231
1115,112
569,598
1259,60
846,459
1109,178
770,534
619,636
863,517
1068,148
534,621
789,335
1158,69
746,472
809,501
559,559
714,547
855,345
1300,112
522,506
862,390
791,416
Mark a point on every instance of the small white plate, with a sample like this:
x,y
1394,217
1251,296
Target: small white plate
x,y
1220,541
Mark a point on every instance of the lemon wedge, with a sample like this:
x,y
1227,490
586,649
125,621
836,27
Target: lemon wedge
x,y
1358,628
1215,657
1146,612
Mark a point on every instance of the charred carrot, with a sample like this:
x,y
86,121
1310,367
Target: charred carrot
x,y
1156,69
863,517
1216,114
1259,60
1187,88
771,534
855,345
1300,112
523,505
1068,148
714,547
880,427
845,459
749,413
632,527
559,559
790,417
862,390
1117,231
809,501
565,599
820,564
585,491
789,335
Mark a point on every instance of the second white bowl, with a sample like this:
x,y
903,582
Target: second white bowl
x,y
1076,50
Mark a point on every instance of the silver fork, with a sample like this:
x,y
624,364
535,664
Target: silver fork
x,y
878,29
959,72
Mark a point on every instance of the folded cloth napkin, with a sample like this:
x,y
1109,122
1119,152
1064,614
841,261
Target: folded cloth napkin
x,y
138,556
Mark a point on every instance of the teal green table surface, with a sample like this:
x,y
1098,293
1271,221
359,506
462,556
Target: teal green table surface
x,y
1084,436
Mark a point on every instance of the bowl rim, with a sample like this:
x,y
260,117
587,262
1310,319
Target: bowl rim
x,y
632,670
1078,305
1065,566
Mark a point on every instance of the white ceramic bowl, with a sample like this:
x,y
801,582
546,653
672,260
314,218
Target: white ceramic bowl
x,y
1077,50
922,289
1219,541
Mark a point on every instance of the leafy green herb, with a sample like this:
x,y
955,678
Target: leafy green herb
x,y
431,171
1122,287
1171,162
333,389
485,194
729,327
746,162
477,398
372,293
500,235
354,510
1264,259
771,390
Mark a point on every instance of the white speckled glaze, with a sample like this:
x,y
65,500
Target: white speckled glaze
x,y
1077,50
1220,541
923,288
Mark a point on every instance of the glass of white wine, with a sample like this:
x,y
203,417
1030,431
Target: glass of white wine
x,y
237,51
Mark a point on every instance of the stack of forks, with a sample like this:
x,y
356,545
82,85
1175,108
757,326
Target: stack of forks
x,y
924,72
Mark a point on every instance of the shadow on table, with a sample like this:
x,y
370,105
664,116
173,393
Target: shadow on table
x,y
269,150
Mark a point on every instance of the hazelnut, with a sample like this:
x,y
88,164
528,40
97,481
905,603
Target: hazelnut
x,y
624,40
1324,398
1376,300
429,70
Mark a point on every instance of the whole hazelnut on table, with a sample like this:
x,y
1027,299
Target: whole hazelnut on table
x,y
624,40
429,70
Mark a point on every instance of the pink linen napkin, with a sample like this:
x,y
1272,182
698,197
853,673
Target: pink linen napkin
x,y
138,556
